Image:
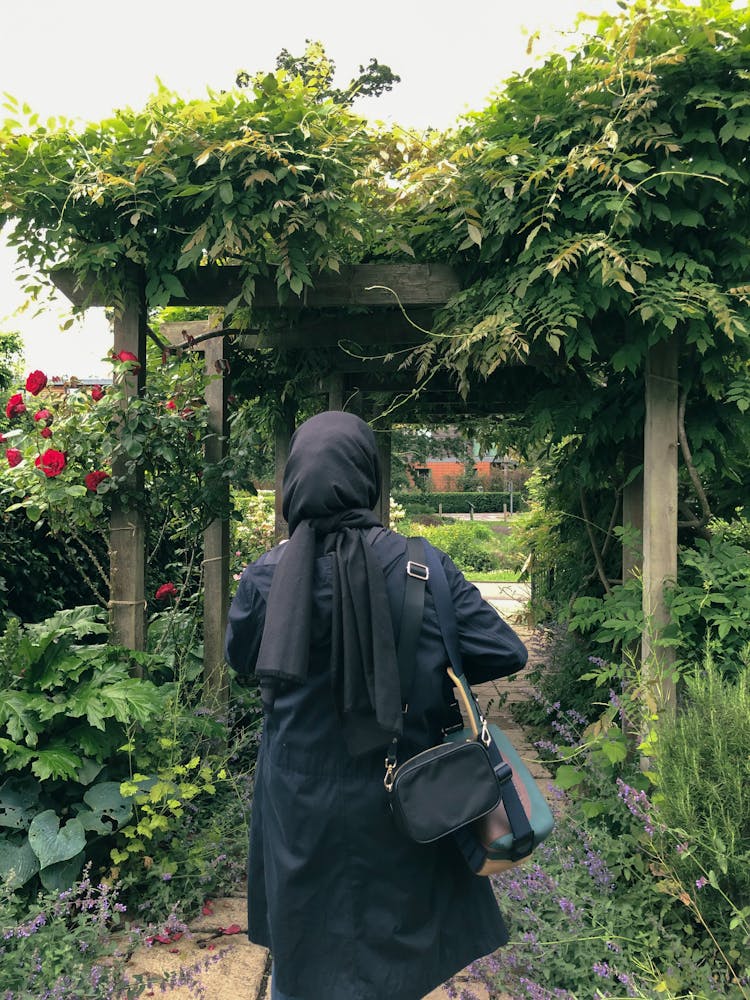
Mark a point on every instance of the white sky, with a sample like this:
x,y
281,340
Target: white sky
x,y
84,58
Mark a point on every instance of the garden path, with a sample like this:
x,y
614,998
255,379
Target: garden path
x,y
228,967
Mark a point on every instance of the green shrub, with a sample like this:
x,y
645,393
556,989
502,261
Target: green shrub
x,y
252,527
709,607
489,502
703,773
67,703
469,545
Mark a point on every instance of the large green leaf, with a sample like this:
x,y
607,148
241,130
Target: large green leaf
x,y
18,712
18,796
108,809
63,874
18,863
52,843
56,762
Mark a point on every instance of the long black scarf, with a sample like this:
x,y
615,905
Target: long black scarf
x,y
331,483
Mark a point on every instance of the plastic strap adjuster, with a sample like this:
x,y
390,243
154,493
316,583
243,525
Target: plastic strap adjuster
x,y
418,570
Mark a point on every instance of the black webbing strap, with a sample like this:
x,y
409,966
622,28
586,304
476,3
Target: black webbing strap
x,y
523,835
412,611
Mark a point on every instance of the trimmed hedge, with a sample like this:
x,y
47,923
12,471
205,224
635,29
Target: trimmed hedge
x,y
486,502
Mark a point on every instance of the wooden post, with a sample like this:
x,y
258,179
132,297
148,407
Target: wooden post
x,y
336,391
632,565
383,508
216,535
659,516
127,539
632,521
284,430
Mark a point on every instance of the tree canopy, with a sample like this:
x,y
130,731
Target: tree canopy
x,y
598,206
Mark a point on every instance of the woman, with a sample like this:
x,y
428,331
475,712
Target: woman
x,y
349,907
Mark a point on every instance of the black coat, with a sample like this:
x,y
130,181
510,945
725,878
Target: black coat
x,y
349,907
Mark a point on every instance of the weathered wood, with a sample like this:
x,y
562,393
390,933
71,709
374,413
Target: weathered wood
x,y
216,535
659,516
127,603
632,565
336,391
383,508
357,285
632,521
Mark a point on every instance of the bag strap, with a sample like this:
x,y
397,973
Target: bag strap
x,y
523,835
412,612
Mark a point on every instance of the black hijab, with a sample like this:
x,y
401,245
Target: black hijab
x,y
331,484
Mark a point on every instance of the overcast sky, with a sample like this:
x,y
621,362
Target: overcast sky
x,y
84,58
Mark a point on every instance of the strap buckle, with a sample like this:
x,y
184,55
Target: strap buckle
x,y
418,570
503,773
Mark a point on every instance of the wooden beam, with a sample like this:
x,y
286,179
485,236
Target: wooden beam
x,y
216,535
127,544
659,517
356,285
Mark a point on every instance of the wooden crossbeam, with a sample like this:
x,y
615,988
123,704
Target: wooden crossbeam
x,y
355,285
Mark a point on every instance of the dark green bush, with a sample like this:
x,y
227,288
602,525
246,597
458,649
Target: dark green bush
x,y
456,503
470,546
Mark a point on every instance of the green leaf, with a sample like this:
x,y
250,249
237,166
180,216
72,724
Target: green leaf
x,y
52,843
226,192
57,762
18,863
19,714
615,751
593,809
173,285
62,875
18,796
108,809
568,776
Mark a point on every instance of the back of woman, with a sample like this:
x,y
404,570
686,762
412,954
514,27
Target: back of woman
x,y
350,908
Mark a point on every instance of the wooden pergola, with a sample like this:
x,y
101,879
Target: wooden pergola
x,y
384,294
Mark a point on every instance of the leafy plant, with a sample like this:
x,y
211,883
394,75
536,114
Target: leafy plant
x,y
702,765
68,702
470,546
709,608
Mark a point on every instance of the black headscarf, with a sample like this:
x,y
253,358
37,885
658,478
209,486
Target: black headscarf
x,y
331,484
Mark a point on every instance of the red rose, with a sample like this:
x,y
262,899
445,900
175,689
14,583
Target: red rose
x,y
2,438
171,405
15,406
36,382
97,393
166,591
92,479
128,356
51,462
46,432
14,456
44,415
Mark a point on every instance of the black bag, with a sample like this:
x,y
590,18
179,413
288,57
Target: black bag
x,y
448,786
473,785
442,789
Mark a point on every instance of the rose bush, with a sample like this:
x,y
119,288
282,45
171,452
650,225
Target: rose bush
x,y
65,488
